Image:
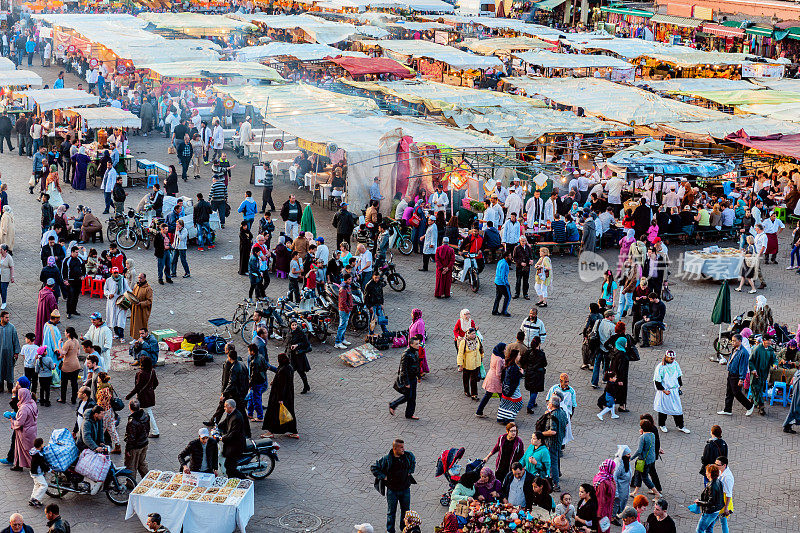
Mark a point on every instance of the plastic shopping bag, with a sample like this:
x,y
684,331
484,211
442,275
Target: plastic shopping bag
x,y
284,416
61,451
93,465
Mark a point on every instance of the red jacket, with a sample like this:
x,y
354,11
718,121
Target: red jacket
x,y
458,332
345,298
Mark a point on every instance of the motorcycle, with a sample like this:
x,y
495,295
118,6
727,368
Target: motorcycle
x,y
400,237
466,269
118,485
258,458
359,317
395,280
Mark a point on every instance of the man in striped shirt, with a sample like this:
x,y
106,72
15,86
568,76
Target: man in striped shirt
x,y
266,197
219,197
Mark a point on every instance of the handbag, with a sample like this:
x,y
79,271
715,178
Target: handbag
x,y
116,402
639,466
483,371
284,416
414,220
666,294
171,149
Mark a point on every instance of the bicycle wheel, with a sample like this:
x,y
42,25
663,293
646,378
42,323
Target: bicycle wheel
x,y
239,318
397,283
111,231
404,245
248,329
127,238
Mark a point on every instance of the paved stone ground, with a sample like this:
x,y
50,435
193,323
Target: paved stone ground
x,y
344,423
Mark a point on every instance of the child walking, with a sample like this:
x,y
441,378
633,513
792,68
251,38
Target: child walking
x,y
39,468
44,367
29,357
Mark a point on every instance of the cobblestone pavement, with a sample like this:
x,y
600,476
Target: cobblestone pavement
x,y
344,422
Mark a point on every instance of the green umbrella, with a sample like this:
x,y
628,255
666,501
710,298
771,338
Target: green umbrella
x,y
307,225
722,307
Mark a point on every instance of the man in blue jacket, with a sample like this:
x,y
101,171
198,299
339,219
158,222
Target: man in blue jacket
x,y
738,368
502,288
248,209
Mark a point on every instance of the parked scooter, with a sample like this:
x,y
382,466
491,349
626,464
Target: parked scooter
x,y
388,270
466,270
359,317
258,458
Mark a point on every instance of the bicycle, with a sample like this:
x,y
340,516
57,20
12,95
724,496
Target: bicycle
x,y
243,322
133,232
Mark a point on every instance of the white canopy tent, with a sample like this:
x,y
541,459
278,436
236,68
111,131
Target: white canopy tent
x,y
509,117
548,59
7,64
505,45
215,69
196,23
709,130
300,51
107,117
354,125
613,101
13,78
680,85
321,30
48,99
516,25
457,59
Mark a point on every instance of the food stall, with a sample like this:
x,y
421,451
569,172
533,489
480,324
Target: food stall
x,y
196,502
19,78
712,262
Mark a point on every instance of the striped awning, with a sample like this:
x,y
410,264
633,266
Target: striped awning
x,y
684,22
548,5
722,31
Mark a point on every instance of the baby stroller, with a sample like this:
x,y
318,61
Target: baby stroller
x,y
447,465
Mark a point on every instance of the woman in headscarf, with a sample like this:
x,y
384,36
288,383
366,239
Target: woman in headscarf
x,y
511,397
469,361
605,489
488,488
109,417
418,328
60,225
465,488
620,365
463,324
624,248
762,318
25,427
282,258
667,379
493,382
281,393
52,271
412,522
7,232
132,277
622,478
297,346
171,182
81,161
245,243
53,187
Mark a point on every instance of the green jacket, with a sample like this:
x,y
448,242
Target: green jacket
x,y
542,456
762,359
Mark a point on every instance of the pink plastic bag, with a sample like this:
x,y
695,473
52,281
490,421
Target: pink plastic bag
x,y
399,341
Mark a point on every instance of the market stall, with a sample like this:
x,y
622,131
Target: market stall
x,y
295,51
19,78
196,502
49,99
372,66
308,28
712,262
556,64
197,24
505,46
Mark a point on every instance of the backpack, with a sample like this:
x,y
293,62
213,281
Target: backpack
x,y
541,424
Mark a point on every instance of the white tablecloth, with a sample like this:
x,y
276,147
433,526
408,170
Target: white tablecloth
x,y
194,516
720,267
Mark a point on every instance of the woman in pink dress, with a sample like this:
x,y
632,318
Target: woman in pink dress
x,y
418,328
606,488
624,249
24,426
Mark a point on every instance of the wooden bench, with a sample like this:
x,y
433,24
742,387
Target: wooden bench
x,y
557,246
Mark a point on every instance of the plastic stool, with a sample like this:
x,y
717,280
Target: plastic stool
x,y
783,398
97,287
152,179
780,214
86,285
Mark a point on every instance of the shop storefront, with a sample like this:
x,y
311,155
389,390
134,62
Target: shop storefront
x,y
673,29
721,38
628,22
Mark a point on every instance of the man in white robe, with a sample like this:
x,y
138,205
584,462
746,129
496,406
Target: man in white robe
x,y
101,336
116,316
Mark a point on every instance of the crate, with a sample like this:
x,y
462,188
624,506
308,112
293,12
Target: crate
x,y
162,334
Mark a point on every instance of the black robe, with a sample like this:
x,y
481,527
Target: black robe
x,y
298,357
245,245
281,390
